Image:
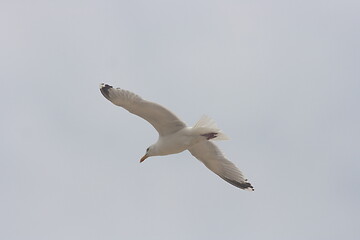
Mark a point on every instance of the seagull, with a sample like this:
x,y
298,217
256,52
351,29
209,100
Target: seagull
x,y
175,136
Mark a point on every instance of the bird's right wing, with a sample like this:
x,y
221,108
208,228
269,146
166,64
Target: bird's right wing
x,y
209,154
164,121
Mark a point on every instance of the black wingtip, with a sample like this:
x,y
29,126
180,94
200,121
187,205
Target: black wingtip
x,y
104,89
243,185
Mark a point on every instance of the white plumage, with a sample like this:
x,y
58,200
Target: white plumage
x,y
175,136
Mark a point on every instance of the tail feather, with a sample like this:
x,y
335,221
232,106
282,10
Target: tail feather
x,y
206,125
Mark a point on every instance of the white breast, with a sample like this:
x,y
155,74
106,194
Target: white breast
x,y
177,142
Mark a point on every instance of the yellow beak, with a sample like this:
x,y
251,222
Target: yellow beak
x,y
144,157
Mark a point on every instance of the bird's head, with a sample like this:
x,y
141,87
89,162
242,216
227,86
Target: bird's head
x,y
150,151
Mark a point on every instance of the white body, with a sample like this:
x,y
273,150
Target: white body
x,y
176,143
183,139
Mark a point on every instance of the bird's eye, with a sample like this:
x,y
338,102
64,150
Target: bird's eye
x,y
147,149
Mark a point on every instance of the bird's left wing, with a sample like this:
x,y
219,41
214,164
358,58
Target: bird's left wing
x,y
209,154
164,121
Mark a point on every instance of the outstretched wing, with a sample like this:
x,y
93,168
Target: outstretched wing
x,y
164,121
209,154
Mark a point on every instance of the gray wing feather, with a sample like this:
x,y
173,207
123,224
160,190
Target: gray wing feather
x,y
211,156
163,120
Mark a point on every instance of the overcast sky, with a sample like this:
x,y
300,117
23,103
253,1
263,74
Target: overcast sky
x,y
281,79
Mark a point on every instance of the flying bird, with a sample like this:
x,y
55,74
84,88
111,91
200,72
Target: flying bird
x,y
175,136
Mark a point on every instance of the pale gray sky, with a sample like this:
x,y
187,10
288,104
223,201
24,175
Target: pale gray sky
x,y
281,78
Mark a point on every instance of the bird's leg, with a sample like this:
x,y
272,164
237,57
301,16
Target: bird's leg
x,y
209,135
